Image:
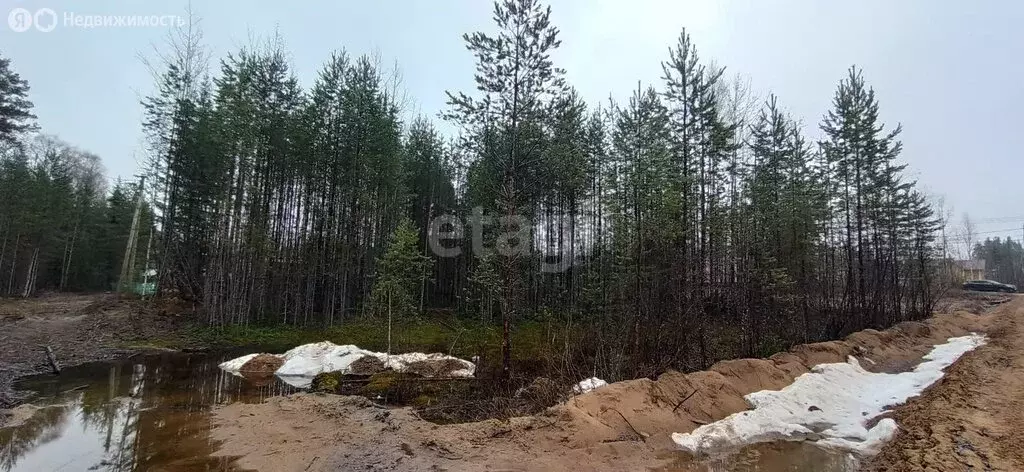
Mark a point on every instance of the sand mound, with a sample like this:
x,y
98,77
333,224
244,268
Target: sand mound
x,y
822,353
915,329
868,339
752,375
262,364
792,364
676,402
367,365
646,410
833,405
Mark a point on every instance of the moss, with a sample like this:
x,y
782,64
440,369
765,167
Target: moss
x,y
401,388
327,382
422,401
383,383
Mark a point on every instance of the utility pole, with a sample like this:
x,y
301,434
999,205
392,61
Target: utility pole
x,y
128,263
149,247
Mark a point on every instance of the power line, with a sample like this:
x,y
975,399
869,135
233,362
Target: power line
x,y
1008,230
1000,219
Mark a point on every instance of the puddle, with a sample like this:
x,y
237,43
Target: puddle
x,y
153,413
789,456
146,413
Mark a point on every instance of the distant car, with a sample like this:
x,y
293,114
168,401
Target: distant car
x,y
989,286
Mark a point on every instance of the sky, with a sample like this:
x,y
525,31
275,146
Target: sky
x,y
949,72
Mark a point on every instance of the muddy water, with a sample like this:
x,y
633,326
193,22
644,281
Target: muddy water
x,y
779,456
146,413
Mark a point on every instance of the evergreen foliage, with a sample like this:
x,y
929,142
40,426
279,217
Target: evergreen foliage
x,y
1004,260
675,229
15,109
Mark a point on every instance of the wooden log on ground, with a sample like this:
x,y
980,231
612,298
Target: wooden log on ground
x,y
52,359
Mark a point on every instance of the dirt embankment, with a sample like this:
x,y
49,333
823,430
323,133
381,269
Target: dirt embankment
x,y
973,418
623,426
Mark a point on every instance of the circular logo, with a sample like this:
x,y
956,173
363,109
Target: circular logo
x,y
20,20
45,19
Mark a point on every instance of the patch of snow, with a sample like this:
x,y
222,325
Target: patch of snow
x,y
400,362
304,362
297,381
832,404
235,365
876,438
587,385
309,360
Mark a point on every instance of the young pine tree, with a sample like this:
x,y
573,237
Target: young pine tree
x,y
400,273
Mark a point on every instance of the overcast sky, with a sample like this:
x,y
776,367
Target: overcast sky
x,y
951,72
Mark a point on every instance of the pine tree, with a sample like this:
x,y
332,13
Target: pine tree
x,y
400,273
516,80
863,155
429,183
683,229
644,216
51,219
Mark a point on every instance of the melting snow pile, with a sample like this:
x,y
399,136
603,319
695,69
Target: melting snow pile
x,y
304,362
587,385
235,365
833,405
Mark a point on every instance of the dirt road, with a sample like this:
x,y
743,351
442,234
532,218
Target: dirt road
x,y
78,328
972,419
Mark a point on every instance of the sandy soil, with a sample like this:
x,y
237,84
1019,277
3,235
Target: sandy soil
x,y
624,426
972,419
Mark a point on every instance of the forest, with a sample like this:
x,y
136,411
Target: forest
x,y
691,222
1004,259
62,226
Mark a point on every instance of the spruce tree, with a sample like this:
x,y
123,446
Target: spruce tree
x,y
16,115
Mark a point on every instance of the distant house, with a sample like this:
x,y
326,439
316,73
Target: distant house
x,y
971,269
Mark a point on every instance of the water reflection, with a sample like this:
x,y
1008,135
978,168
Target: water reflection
x,y
149,413
767,457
